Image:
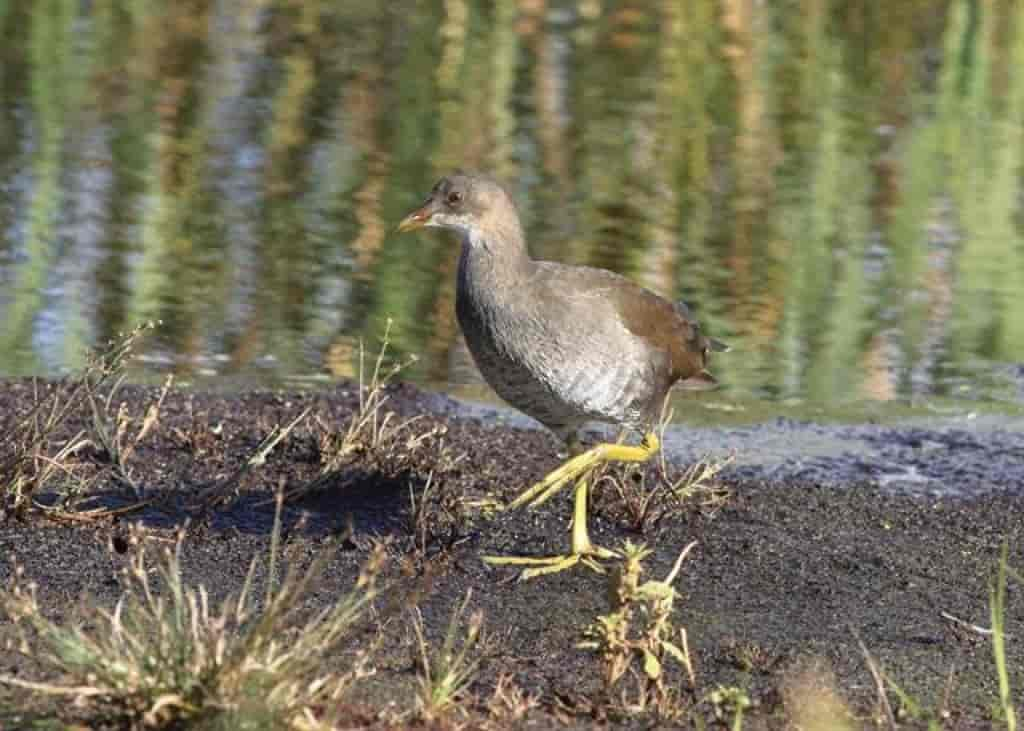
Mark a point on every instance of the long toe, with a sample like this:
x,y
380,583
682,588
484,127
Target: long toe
x,y
537,565
545,565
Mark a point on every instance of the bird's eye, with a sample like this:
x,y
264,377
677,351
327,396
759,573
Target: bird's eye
x,y
455,197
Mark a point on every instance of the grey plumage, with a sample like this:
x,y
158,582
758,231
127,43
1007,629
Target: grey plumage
x,y
563,344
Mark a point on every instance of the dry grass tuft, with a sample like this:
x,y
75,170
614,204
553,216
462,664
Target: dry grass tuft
x,y
112,431
643,507
445,674
372,431
31,455
165,656
435,518
223,491
377,441
371,427
509,703
643,500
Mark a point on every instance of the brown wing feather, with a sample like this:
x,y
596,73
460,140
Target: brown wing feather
x,y
669,328
666,328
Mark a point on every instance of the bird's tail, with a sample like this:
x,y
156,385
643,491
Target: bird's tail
x,y
709,344
717,346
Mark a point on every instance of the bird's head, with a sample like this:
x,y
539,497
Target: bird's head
x,y
464,202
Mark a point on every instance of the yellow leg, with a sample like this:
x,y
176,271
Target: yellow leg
x,y
578,468
583,464
581,544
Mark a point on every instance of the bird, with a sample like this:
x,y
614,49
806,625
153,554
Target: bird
x,y
564,344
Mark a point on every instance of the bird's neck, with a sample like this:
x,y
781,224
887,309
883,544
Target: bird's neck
x,y
498,255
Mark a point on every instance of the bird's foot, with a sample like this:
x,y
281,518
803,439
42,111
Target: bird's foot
x,y
545,565
576,469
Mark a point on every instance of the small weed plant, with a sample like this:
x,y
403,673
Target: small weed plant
x,y
445,673
636,638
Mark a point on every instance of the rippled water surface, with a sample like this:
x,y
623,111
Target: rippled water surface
x,y
834,187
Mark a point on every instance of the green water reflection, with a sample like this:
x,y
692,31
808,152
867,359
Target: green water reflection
x,y
835,187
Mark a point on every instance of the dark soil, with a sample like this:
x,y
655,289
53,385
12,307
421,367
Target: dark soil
x,y
788,573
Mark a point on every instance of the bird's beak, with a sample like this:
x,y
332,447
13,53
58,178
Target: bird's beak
x,y
417,219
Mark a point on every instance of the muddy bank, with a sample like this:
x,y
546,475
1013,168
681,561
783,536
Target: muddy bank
x,y
826,535
964,455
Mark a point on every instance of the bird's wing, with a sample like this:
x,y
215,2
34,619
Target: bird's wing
x,y
665,326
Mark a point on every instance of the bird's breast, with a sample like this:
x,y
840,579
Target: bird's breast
x,y
558,364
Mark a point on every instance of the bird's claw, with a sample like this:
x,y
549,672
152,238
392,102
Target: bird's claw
x,y
545,565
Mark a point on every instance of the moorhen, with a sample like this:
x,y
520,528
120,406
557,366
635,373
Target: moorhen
x,y
563,344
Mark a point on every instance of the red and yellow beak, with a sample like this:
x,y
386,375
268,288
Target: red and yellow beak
x,y
417,219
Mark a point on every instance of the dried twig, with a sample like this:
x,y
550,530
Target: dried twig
x,y
217,494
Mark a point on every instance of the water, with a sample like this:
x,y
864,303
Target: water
x,y
834,187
